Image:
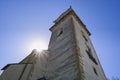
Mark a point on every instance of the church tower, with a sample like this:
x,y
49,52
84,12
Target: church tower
x,y
70,55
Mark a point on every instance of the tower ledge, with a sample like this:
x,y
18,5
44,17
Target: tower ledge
x,y
64,15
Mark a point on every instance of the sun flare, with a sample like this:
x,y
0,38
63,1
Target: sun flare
x,y
38,44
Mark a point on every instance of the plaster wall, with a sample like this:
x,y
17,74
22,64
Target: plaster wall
x,y
88,64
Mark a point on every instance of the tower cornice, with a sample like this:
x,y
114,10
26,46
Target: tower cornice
x,y
65,14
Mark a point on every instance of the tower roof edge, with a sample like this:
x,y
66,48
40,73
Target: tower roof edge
x,y
64,14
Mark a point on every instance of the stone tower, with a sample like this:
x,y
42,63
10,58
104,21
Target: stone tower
x,y
70,55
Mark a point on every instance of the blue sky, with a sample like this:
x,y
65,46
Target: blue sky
x,y
23,21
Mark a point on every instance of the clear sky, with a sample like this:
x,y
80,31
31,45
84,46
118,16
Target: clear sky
x,y
23,22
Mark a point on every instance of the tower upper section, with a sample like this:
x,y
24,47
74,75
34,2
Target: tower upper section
x,y
69,12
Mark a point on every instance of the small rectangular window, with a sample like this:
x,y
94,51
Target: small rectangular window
x,y
84,36
60,31
95,71
90,55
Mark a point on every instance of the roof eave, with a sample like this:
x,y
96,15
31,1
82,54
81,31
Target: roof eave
x,y
64,14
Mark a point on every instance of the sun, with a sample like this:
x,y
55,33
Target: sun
x,y
38,44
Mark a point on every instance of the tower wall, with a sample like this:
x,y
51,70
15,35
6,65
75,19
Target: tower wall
x,y
62,56
91,65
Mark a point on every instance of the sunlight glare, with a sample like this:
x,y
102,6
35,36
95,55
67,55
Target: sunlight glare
x,y
38,44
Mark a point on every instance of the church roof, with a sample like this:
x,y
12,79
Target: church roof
x,y
6,66
64,14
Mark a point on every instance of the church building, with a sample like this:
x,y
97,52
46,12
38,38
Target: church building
x,y
70,55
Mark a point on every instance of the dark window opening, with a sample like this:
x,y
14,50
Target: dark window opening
x,y
95,71
90,55
84,36
60,31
